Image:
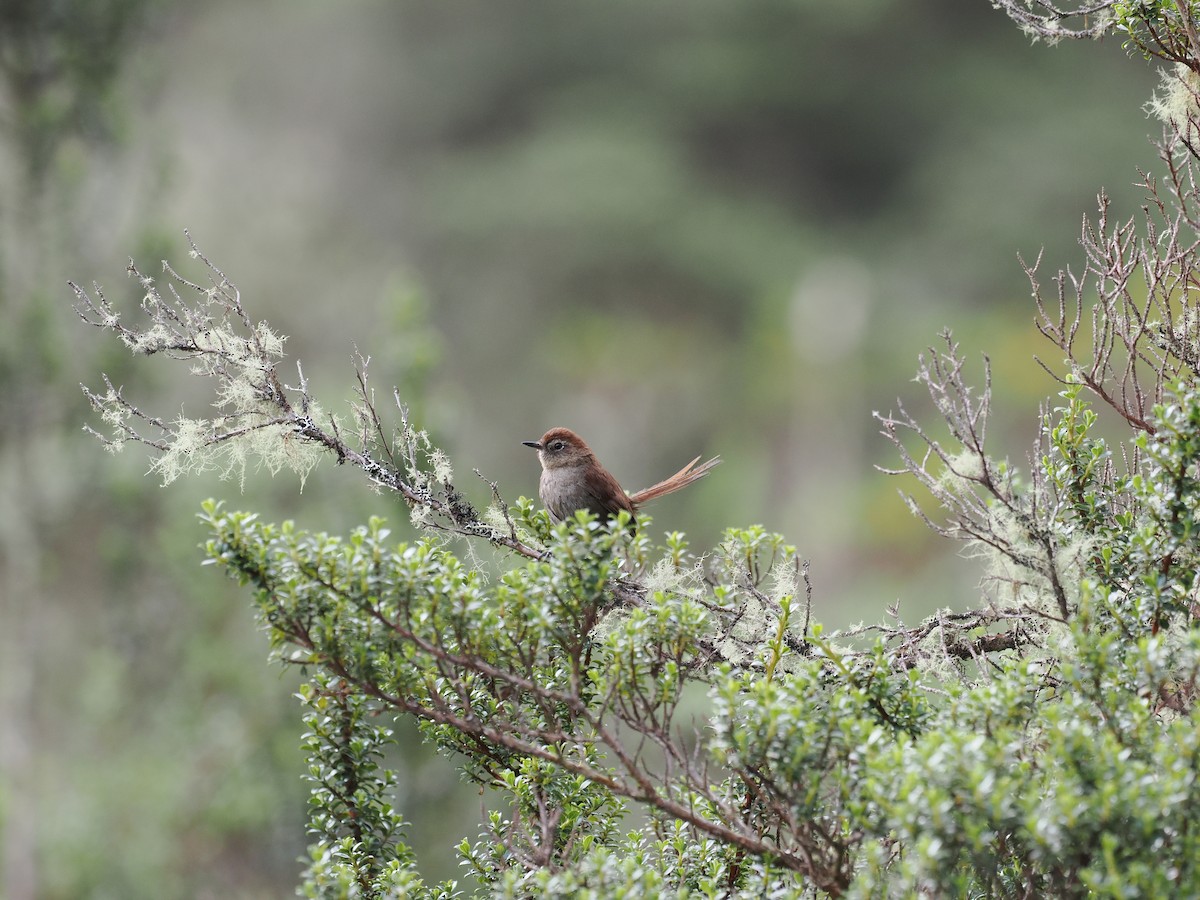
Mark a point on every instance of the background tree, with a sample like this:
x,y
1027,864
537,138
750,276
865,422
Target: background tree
x,y
135,759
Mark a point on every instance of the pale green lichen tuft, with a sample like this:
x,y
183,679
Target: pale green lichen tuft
x,y
784,579
1175,101
152,340
241,395
271,343
963,469
204,445
442,470
665,577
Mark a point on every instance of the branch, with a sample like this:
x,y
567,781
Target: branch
x,y
1049,21
257,417
979,495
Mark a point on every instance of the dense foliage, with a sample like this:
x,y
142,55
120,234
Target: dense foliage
x,y
922,759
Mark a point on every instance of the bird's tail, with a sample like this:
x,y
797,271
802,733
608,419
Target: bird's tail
x,y
681,479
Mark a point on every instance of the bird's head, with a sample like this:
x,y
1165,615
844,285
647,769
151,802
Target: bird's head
x,y
560,447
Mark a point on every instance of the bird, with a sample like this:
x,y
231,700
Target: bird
x,y
573,479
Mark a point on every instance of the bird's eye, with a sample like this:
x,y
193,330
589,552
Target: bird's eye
x,y
557,445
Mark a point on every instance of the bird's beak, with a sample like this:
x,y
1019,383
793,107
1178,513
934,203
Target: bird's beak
x,y
536,445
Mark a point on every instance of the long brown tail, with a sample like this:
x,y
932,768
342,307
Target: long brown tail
x,y
680,479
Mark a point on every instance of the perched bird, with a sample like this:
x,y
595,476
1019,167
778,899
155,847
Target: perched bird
x,y
573,479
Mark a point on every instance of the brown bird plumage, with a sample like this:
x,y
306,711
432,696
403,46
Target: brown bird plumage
x,y
573,479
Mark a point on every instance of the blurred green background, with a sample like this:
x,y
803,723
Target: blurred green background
x,y
676,227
